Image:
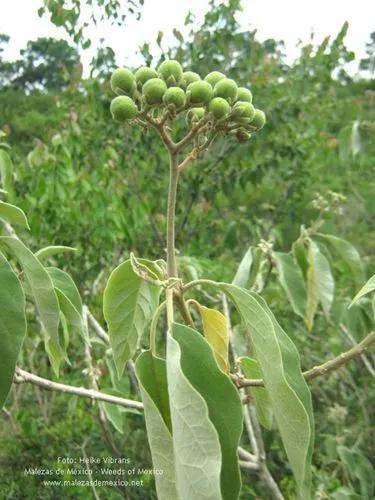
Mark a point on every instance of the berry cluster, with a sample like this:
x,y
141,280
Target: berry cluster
x,y
216,101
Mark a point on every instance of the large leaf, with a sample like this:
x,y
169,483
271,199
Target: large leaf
x,y
43,293
196,445
190,356
13,215
348,253
320,283
12,325
263,406
367,288
289,394
291,279
216,331
152,377
128,305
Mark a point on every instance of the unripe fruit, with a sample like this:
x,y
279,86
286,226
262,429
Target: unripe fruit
x,y
195,114
154,90
219,107
189,77
171,71
199,92
123,108
243,109
122,81
175,96
227,89
242,136
259,119
198,113
213,77
142,75
244,94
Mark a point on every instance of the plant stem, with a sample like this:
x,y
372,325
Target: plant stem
x,y
21,376
171,215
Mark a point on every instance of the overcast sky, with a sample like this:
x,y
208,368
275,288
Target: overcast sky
x,y
289,20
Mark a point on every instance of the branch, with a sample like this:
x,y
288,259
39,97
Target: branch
x,y
22,376
95,325
317,371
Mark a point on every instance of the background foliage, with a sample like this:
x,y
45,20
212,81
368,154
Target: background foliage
x,y
87,183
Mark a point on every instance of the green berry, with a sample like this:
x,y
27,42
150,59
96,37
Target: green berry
x,y
175,96
259,119
242,136
142,75
189,77
194,115
213,77
243,109
198,113
199,92
171,71
219,107
154,90
227,89
244,94
123,108
122,81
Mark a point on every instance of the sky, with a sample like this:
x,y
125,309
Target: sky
x,y
288,20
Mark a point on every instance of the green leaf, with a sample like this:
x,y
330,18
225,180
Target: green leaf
x,y
191,362
263,406
359,467
13,215
196,445
74,321
300,254
66,285
216,331
47,252
367,288
69,301
116,414
289,394
42,290
243,272
152,377
128,305
12,325
291,279
319,282
348,253
6,172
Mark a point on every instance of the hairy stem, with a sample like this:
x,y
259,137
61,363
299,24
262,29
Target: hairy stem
x,y
171,215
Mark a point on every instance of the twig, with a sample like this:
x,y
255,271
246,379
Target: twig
x,y
95,325
317,371
363,356
23,376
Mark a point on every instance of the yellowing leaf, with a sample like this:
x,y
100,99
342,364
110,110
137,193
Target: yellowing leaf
x,y
216,331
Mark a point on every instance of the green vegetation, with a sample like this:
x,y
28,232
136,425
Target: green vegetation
x,y
287,212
